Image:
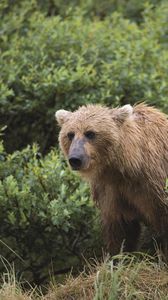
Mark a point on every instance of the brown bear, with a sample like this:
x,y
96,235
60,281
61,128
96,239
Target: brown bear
x,y
123,154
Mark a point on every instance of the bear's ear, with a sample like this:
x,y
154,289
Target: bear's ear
x,y
62,116
124,112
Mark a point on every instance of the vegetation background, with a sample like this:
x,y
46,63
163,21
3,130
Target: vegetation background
x,y
61,54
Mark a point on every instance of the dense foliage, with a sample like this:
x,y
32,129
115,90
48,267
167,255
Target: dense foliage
x,y
56,55
47,222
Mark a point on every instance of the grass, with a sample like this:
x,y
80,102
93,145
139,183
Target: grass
x,y
126,277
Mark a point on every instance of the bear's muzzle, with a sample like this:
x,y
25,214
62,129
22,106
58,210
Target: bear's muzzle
x,y
78,158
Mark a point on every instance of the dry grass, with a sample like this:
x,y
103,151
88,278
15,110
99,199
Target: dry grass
x,y
81,287
12,290
130,278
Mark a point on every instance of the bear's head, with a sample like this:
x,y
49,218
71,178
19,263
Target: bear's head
x,y
89,137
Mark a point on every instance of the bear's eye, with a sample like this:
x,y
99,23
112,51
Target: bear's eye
x,y
70,135
90,134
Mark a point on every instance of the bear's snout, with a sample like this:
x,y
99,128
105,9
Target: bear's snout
x,y
77,156
75,162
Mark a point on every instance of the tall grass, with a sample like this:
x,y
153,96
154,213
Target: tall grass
x,y
132,278
125,277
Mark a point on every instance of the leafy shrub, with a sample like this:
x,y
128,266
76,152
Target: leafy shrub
x,y
131,9
47,222
52,62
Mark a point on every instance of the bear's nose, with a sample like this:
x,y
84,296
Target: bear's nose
x,y
75,163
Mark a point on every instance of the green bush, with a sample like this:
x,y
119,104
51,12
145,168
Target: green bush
x,y
52,62
47,222
131,9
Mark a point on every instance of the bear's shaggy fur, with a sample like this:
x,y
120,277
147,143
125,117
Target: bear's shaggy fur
x,y
123,153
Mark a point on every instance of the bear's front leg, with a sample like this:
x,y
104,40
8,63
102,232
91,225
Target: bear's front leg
x,y
121,235
160,225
